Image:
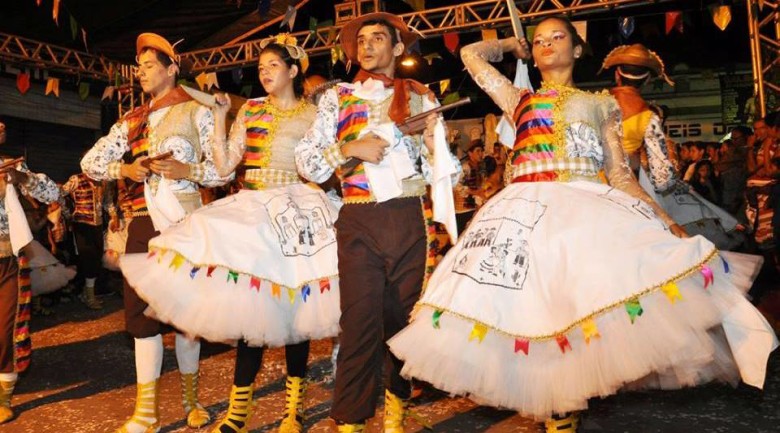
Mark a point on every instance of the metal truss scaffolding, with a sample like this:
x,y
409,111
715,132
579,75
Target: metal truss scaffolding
x,y
764,28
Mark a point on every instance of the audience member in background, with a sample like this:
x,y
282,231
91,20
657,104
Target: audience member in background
x,y
704,181
468,189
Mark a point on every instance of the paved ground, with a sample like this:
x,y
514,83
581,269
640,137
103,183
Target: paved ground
x,y
81,381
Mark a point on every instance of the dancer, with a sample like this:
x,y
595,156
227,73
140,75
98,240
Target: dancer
x,y
15,235
384,229
564,288
643,133
171,122
260,264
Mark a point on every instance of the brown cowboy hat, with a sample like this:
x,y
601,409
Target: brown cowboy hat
x,y
636,55
348,35
159,43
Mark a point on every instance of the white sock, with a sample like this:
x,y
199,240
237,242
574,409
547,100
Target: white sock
x,y
187,354
90,282
8,377
148,358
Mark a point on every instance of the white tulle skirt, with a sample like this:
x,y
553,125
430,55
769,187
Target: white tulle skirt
x,y
557,293
258,265
47,274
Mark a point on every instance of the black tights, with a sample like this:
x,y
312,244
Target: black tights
x,y
249,359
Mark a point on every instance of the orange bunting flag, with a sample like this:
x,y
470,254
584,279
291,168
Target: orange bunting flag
x,y
207,80
672,292
276,290
291,295
590,330
151,254
521,345
53,86
563,343
23,82
674,21
488,34
177,261
254,283
721,16
108,93
478,332
55,11
324,285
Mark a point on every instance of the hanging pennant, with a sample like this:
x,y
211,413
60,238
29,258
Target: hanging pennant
x,y
626,26
195,269
207,80
563,343
634,309
276,290
449,99
289,17
582,29
237,75
324,285
444,85
478,332
84,38
176,262
674,21
53,86
232,275
210,270
312,24
436,318
291,295
672,292
254,283
522,345
38,2
721,15
83,90
74,27
55,11
23,82
489,34
590,330
417,5
246,91
305,292
451,41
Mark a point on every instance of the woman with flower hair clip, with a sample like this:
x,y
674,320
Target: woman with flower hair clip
x,y
261,265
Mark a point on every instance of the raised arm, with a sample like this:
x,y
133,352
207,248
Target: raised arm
x,y
476,58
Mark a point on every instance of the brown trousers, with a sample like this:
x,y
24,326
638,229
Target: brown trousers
x,y
9,292
139,232
381,251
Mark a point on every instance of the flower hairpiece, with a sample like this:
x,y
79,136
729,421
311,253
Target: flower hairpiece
x,y
290,43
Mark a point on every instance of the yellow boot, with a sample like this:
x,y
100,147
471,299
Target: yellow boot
x,y
197,416
396,412
566,424
350,428
146,416
293,408
239,411
6,391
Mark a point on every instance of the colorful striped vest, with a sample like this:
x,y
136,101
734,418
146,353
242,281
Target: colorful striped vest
x,y
87,200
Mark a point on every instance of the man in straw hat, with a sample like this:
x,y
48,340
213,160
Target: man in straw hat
x,y
171,122
15,345
383,231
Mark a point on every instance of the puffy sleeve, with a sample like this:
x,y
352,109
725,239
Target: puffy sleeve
x,y
318,154
104,160
476,58
228,155
204,171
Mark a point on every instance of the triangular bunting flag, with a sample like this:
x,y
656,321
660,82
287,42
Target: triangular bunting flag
x,y
709,278
436,317
210,270
305,292
276,290
108,93
444,85
488,34
563,343
289,17
55,11
232,275
417,5
522,345
590,330
431,57
176,262
672,292
83,90
53,86
291,295
721,15
634,309
626,26
246,90
74,27
254,283
725,265
23,82
151,254
194,271
478,331
674,21
324,285
451,41
449,99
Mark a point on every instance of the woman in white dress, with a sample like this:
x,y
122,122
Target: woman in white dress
x,y
563,287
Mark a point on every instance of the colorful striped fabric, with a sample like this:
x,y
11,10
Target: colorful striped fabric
x,y
535,128
353,117
139,146
86,200
22,343
259,131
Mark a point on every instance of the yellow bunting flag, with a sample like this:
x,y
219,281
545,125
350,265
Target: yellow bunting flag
x,y
721,16
444,85
478,332
276,290
53,86
488,34
672,292
291,295
590,330
177,261
207,81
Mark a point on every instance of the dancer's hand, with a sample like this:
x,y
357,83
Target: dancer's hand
x,y
171,168
370,148
518,47
15,177
678,231
223,104
135,171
